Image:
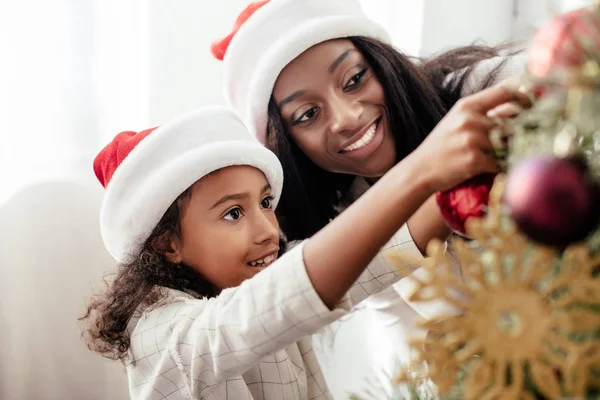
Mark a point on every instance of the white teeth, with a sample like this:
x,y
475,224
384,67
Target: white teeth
x,y
263,262
363,141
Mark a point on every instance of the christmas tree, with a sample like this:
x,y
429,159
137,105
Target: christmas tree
x,y
528,300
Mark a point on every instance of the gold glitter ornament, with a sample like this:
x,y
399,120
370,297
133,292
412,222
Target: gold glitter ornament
x,y
518,306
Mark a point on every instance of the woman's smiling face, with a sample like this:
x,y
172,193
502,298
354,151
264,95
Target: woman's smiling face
x,y
334,108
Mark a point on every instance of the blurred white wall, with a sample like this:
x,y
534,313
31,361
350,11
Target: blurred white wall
x,y
51,260
182,72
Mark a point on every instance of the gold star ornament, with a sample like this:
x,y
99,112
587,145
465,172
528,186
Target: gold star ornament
x,y
528,317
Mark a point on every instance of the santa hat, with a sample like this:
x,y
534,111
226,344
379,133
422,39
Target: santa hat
x,y
268,35
145,172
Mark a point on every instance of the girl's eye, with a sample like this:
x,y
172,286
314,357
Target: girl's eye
x,y
234,214
267,202
307,115
356,79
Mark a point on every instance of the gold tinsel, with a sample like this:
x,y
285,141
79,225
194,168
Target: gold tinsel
x,y
529,315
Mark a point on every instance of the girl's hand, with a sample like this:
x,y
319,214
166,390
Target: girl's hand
x,y
459,146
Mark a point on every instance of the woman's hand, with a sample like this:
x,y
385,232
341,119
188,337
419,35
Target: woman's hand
x,y
459,146
521,98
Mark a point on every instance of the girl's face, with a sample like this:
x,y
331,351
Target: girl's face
x,y
228,226
334,108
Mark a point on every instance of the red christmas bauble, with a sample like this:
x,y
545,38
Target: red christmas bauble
x,y
559,43
552,200
464,201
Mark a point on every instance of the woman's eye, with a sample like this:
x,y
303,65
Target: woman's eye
x,y
356,79
307,115
267,202
233,214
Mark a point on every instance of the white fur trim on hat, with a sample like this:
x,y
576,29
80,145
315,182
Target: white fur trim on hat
x,y
167,162
275,35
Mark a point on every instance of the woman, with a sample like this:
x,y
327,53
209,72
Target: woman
x,y
311,78
319,84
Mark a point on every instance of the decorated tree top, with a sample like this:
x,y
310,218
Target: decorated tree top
x,y
528,300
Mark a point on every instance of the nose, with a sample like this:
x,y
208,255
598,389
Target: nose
x,y
266,228
345,114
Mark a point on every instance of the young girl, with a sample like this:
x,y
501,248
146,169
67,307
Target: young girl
x,y
203,305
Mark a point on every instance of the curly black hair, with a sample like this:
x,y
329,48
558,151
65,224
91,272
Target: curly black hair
x,y
141,283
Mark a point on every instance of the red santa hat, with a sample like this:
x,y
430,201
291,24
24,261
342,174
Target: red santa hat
x,y
145,172
268,35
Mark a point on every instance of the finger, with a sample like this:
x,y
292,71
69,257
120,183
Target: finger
x,y
521,92
505,110
492,97
484,163
474,120
489,164
499,138
479,139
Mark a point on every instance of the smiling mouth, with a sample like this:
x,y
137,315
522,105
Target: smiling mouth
x,y
364,139
264,262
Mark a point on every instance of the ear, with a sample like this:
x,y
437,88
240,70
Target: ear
x,y
170,247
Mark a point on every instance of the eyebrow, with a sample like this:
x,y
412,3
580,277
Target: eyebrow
x,y
237,196
291,98
339,60
330,70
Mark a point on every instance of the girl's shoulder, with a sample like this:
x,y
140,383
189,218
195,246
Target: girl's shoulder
x,y
173,304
